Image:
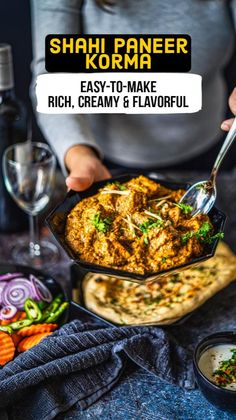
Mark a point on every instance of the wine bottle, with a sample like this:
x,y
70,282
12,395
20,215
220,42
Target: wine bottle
x,y
13,129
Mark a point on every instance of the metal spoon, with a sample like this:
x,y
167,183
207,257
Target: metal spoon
x,y
202,195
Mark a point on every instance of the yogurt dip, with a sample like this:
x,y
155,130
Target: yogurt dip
x,y
210,364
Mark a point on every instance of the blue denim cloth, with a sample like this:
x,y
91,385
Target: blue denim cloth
x,y
81,362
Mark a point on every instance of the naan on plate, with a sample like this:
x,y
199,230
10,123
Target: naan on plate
x,y
162,302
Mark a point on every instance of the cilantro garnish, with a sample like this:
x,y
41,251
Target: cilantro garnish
x,y
200,187
219,235
145,240
150,224
102,225
205,186
186,236
226,373
121,187
146,226
118,184
186,209
151,301
203,234
204,230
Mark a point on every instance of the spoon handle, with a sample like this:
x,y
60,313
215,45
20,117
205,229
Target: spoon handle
x,y
224,149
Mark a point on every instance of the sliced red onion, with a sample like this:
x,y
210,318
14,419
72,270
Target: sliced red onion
x,y
9,276
2,285
16,292
40,291
8,312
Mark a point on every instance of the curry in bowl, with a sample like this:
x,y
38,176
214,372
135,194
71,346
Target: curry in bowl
x,y
137,226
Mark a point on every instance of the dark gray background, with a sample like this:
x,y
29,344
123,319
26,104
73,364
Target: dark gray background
x,y
15,28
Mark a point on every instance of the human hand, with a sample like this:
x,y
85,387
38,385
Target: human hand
x,y
84,167
232,104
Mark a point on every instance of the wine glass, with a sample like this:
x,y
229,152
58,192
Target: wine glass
x,y
29,170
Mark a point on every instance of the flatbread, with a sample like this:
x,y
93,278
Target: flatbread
x,y
162,302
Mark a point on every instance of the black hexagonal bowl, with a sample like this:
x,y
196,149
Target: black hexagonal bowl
x,y
57,219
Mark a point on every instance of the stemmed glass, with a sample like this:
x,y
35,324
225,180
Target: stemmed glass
x,y
29,170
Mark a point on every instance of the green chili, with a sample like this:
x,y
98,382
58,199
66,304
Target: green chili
x,y
54,316
32,310
6,328
42,305
20,324
54,305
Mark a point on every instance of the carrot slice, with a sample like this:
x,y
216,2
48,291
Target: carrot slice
x,y
22,315
15,338
9,321
7,348
29,342
17,317
36,329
